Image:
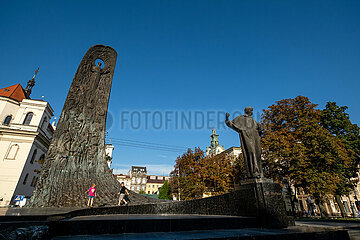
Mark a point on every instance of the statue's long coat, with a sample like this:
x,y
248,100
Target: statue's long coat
x,y
248,130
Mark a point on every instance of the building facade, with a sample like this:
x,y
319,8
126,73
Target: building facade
x,y
125,179
138,179
154,183
25,135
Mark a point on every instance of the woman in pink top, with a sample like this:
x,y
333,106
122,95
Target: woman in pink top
x,y
92,195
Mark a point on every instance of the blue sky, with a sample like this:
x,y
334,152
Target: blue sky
x,y
186,57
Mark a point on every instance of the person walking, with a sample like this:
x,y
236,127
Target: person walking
x,y
92,195
122,193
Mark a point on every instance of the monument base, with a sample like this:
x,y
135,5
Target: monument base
x,y
265,201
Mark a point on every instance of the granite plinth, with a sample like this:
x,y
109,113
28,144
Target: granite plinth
x,y
258,198
243,234
263,199
113,224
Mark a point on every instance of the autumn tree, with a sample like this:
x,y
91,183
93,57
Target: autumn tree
x,y
186,181
298,151
195,174
217,174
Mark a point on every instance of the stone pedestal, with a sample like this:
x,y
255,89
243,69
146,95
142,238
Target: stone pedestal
x,y
265,202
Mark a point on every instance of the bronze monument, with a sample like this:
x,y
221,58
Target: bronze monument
x,y
249,131
76,157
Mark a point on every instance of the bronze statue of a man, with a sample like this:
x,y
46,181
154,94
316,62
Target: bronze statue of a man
x,y
249,131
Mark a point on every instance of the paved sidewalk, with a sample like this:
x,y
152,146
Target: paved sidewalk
x,y
353,228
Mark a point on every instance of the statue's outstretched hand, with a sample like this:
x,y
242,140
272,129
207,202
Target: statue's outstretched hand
x,y
227,115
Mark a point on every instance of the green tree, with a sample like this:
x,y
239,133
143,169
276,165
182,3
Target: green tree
x,y
165,191
298,151
337,122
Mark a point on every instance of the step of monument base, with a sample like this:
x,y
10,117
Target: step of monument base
x,y
240,234
115,224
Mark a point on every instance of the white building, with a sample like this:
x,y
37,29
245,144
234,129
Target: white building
x,y
109,148
138,176
25,135
125,179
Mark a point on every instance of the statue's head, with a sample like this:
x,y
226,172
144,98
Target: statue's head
x,y
249,111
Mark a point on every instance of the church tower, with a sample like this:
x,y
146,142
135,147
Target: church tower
x,y
30,84
215,147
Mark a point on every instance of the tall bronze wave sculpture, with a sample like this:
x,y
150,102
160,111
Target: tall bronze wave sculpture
x,y
76,157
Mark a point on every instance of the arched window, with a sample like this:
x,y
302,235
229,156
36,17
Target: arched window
x,y
25,179
28,118
13,150
33,156
7,120
43,123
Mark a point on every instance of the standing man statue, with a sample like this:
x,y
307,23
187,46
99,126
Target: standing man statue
x,y
249,131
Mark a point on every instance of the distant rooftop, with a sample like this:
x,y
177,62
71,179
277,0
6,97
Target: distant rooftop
x,y
138,169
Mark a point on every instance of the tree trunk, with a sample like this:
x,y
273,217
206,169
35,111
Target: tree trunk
x,y
341,206
291,200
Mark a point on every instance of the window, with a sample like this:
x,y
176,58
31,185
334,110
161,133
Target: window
x,y
33,181
33,156
43,123
7,120
28,118
25,179
138,188
13,150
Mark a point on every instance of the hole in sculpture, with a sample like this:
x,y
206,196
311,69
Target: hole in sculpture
x,y
101,62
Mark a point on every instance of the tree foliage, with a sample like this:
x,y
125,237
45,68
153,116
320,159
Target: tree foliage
x,y
337,122
217,173
299,151
165,191
194,174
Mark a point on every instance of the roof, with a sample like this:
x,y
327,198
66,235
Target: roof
x,y
155,181
15,92
138,169
121,175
